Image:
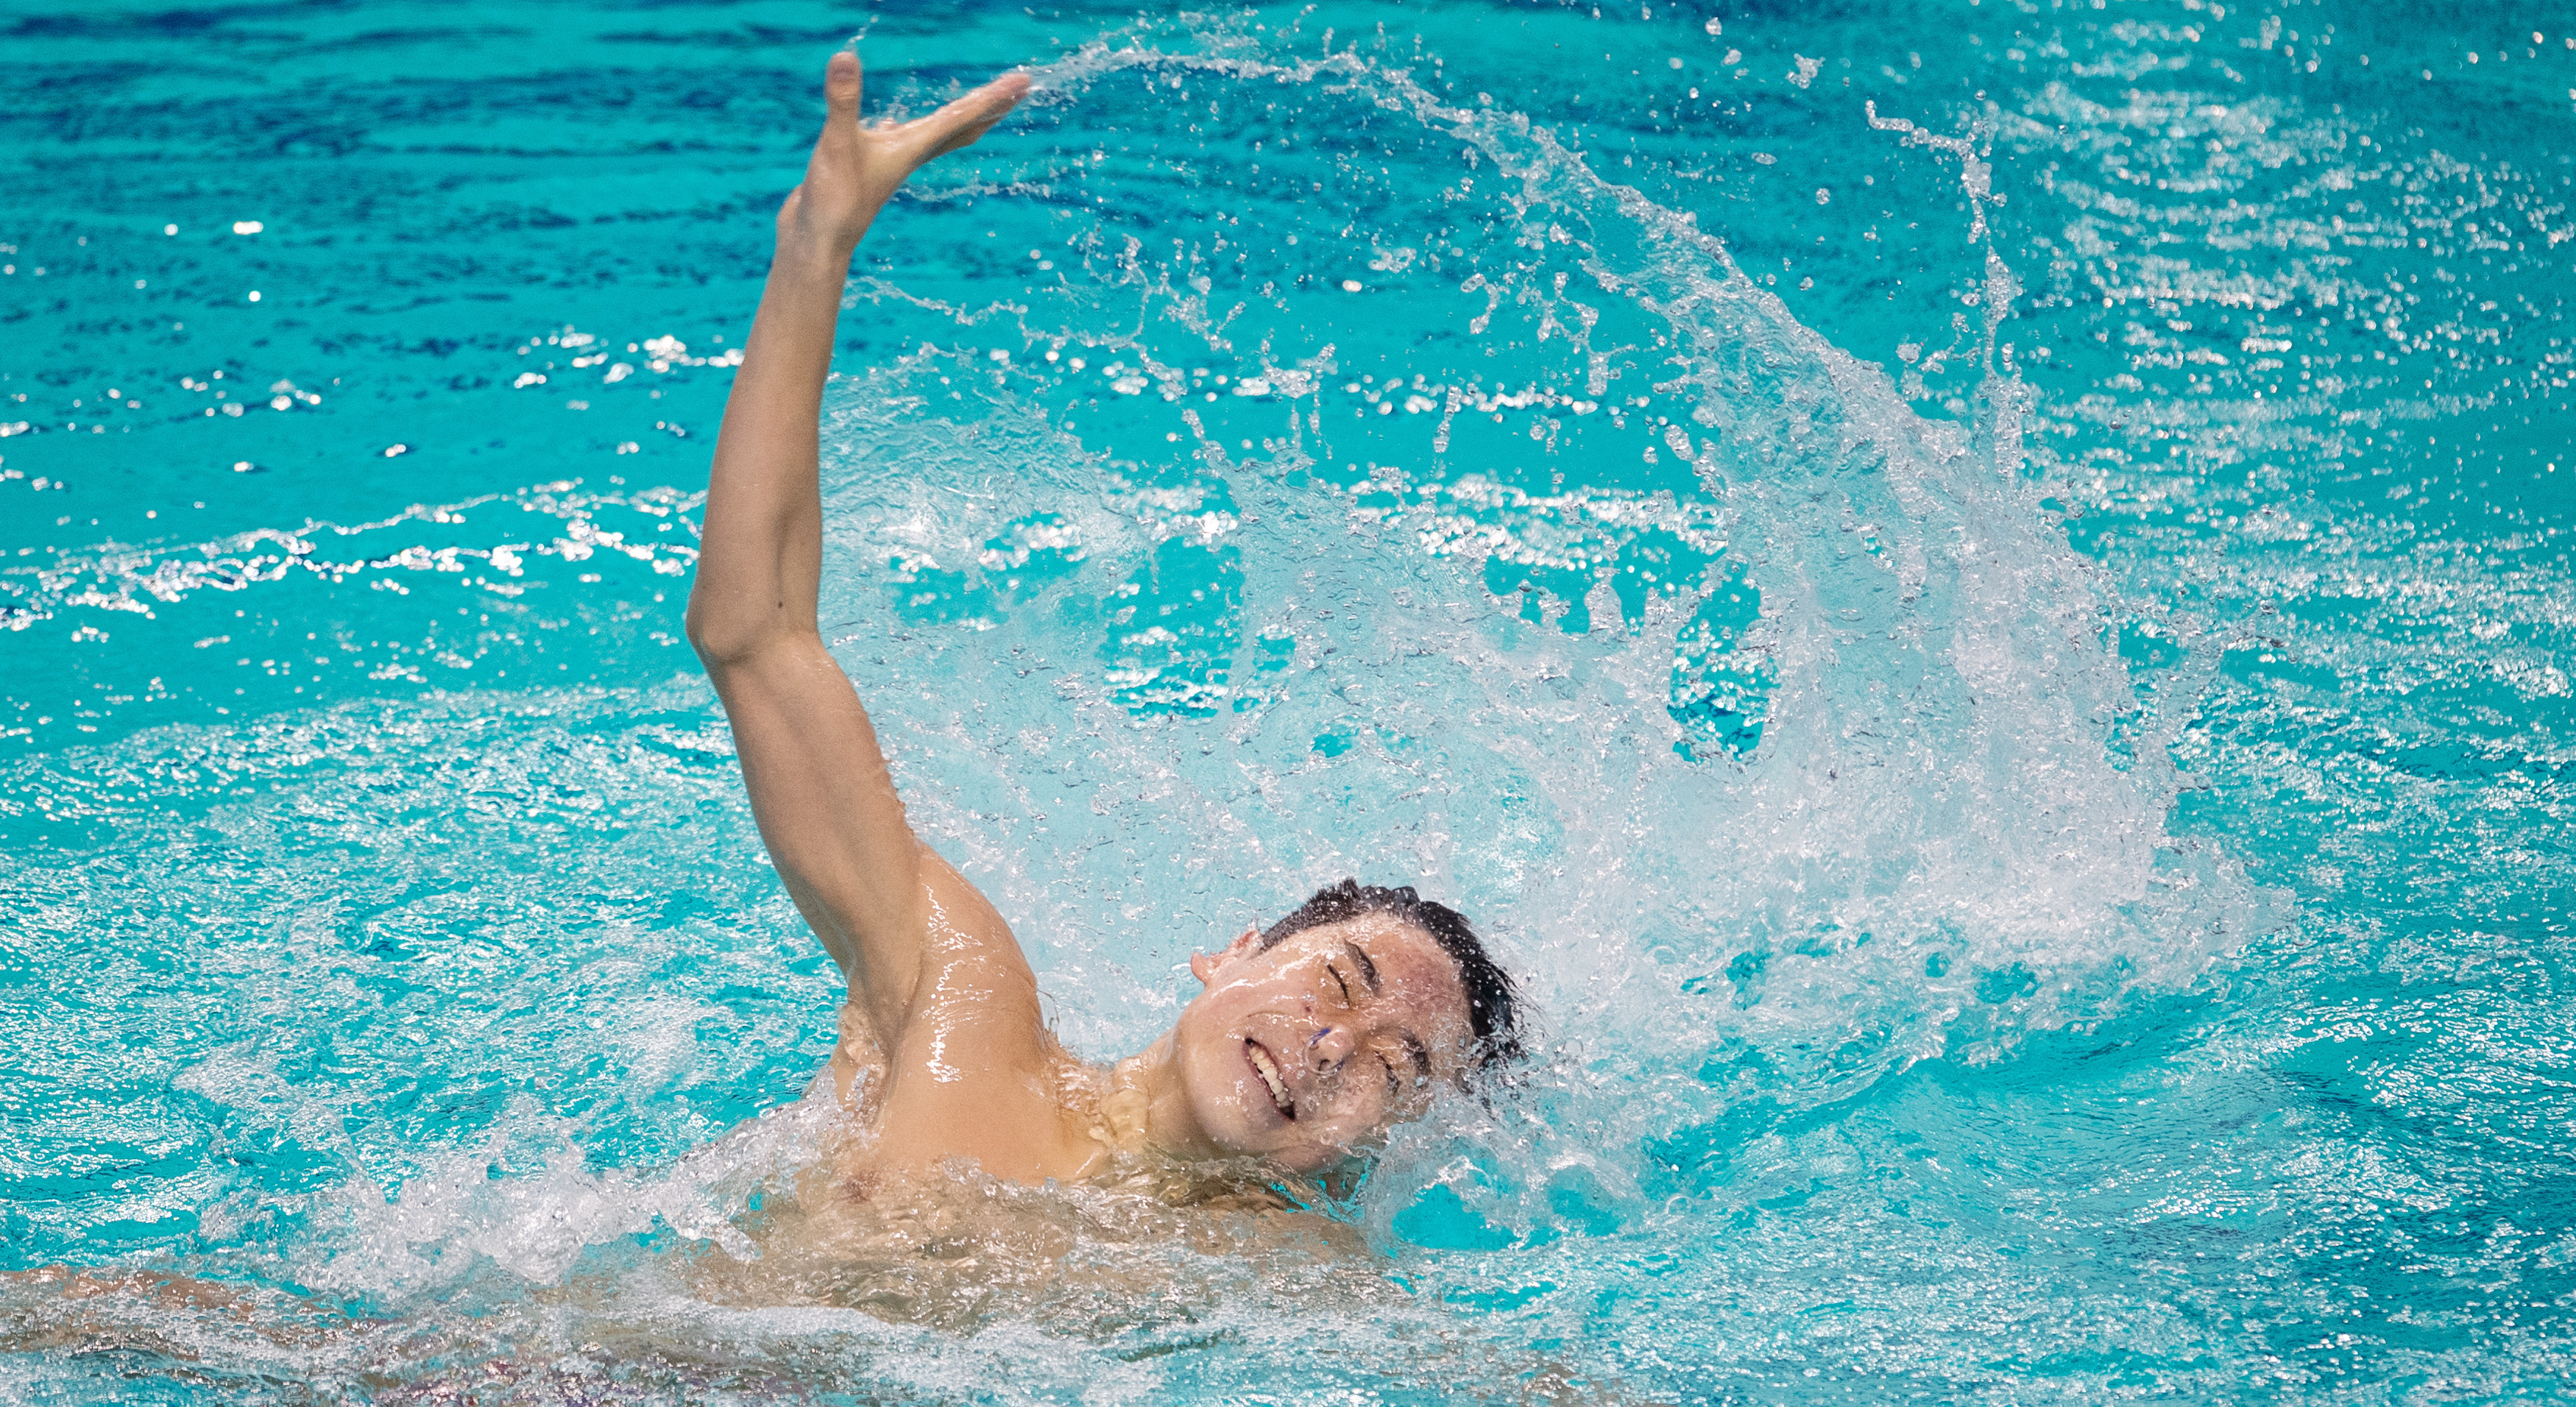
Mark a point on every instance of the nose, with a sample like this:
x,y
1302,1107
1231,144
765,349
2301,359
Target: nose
x,y
1331,1046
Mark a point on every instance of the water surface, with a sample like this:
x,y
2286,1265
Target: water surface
x,y
1975,593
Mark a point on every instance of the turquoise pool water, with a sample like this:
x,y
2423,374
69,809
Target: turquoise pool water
x,y
1976,593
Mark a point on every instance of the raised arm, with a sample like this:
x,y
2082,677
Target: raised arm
x,y
818,783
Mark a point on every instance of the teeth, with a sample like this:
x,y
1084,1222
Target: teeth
x,y
1269,1071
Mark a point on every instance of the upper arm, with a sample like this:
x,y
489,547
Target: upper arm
x,y
968,1075
951,996
827,810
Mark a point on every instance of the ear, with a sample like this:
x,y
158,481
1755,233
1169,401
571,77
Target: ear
x,y
1205,966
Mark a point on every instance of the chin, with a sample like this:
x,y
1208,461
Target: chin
x,y
1228,1116
1303,1159
1234,1110
1232,1103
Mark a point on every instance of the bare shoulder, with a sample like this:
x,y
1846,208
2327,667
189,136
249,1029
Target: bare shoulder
x,y
973,1072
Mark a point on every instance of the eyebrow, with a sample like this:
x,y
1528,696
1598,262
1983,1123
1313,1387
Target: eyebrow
x,y
1368,969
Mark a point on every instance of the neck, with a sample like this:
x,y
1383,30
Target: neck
x,y
1146,1089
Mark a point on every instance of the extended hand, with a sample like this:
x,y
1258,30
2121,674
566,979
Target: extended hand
x,y
855,169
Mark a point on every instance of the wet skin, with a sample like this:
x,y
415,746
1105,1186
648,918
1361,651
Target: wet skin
x,y
1301,1052
1291,1057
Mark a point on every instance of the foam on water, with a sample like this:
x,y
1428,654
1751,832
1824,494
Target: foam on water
x,y
1935,844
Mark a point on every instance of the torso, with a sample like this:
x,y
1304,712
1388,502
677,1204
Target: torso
x,y
1074,1143
974,1153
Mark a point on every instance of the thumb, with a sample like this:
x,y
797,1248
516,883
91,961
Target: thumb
x,y
841,87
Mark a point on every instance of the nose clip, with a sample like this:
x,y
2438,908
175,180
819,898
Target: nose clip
x,y
1327,1059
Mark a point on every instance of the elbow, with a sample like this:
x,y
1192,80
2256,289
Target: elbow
x,y
720,637
726,635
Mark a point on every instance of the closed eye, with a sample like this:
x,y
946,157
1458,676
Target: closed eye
x,y
1394,1083
1420,1054
1367,967
1338,982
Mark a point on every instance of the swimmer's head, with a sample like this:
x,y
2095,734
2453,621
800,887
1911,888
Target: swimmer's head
x,y
1318,1033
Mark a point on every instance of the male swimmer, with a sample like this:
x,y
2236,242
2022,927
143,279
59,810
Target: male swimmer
x,y
1309,1038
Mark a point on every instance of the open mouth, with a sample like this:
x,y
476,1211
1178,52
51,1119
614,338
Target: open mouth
x,y
1268,1070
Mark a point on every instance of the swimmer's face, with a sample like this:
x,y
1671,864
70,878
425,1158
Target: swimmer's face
x,y
1301,1052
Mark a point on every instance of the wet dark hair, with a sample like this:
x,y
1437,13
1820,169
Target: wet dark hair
x,y
1493,1006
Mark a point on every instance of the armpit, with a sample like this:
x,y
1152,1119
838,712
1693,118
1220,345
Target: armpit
x,y
858,1061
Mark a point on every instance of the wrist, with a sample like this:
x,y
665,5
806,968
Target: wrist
x,y
816,253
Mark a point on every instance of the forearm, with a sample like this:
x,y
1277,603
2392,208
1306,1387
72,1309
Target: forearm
x,y
760,554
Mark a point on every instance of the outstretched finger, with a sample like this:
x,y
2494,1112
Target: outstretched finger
x,y
841,83
969,117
